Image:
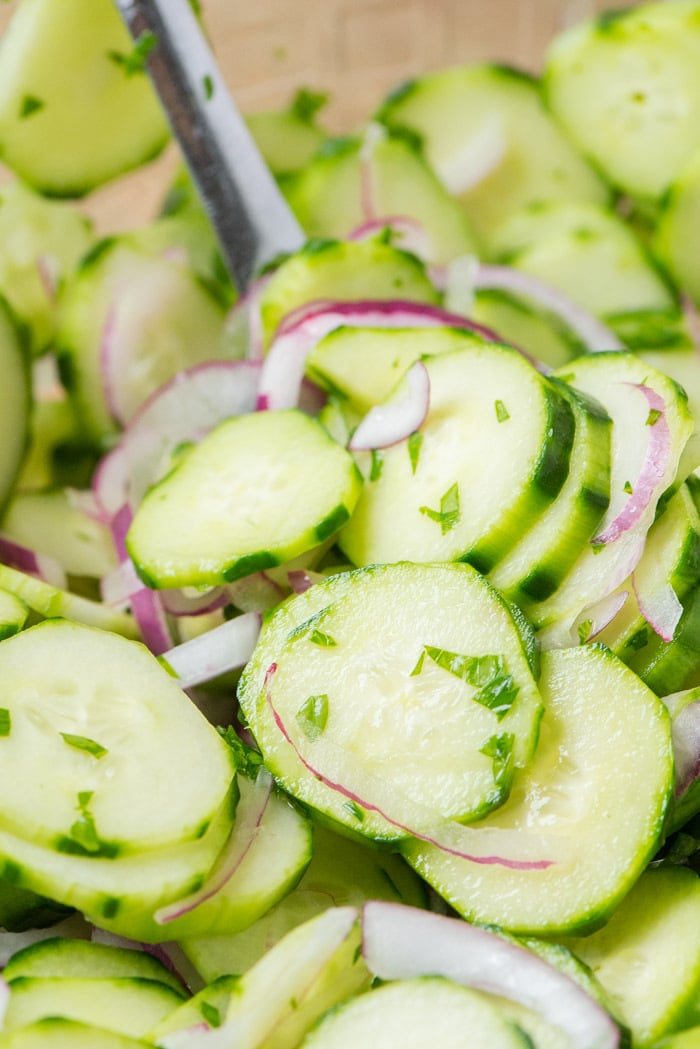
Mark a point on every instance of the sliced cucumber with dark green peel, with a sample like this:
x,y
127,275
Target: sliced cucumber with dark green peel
x,y
689,1039
540,334
50,602
363,365
626,89
49,523
207,1006
622,383
551,220
335,700
428,1010
669,666
16,400
341,873
537,564
329,269
54,431
79,770
13,614
678,228
63,957
125,1004
657,928
354,181
57,1033
671,558
489,137
491,456
129,321
683,366
42,243
67,134
244,500
585,789
289,138
21,910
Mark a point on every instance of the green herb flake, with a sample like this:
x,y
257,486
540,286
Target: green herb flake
x,y
502,413
415,442
5,721
208,85
308,626
90,746
317,637
135,60
211,1014
449,513
29,105
653,416
419,665
375,470
489,674
306,104
584,630
597,547
500,749
627,487
246,760
354,809
83,832
312,716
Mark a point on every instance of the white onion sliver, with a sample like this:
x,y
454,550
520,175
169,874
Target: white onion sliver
x,y
685,732
226,647
646,489
181,603
391,422
595,335
593,619
476,158
660,607
335,768
241,838
402,942
121,584
187,1038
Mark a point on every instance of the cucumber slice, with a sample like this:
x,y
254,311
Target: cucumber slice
x,y
289,138
125,1004
657,927
678,228
626,89
21,909
612,379
669,666
80,770
537,564
16,400
605,802
469,113
353,181
363,365
346,677
42,243
67,134
689,1039
539,333
13,614
329,269
57,1033
494,453
209,1006
62,957
415,1013
129,321
244,500
341,873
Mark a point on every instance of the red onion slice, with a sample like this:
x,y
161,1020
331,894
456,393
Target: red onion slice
x,y
224,648
255,593
120,585
181,603
302,579
595,335
374,134
394,421
24,559
593,619
685,733
660,607
335,768
145,603
401,942
652,474
244,832
283,369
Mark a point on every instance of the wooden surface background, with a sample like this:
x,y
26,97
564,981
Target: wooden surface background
x,y
355,49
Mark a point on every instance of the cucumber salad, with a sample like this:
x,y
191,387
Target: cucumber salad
x,y
350,626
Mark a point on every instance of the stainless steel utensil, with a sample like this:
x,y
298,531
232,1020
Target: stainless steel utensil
x,y
249,214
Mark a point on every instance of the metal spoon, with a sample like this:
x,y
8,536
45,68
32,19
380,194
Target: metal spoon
x,y
249,214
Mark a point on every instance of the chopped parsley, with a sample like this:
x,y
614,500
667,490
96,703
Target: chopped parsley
x,y
415,442
584,630
317,637
375,470
449,513
502,413
211,1014
489,674
5,721
247,760
308,626
354,810
312,716
500,749
90,746
306,104
29,105
135,60
419,665
627,487
208,85
653,416
83,832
